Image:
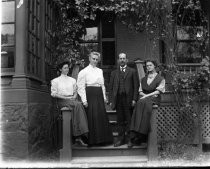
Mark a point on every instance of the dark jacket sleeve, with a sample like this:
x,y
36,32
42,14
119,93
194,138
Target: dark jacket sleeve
x,y
110,88
135,85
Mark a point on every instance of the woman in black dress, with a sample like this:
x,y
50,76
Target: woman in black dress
x,y
151,86
91,89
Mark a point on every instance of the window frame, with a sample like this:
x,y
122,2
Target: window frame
x,y
9,70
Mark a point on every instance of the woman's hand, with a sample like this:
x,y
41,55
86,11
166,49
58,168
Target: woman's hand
x,y
145,96
106,101
85,104
133,103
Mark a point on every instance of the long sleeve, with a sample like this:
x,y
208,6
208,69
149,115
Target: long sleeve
x,y
140,88
103,86
111,82
136,85
81,82
161,86
54,88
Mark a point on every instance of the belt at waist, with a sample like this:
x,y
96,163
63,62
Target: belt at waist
x,y
93,85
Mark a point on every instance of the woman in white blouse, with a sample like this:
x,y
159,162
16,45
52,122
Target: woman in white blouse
x,y
151,86
63,88
91,89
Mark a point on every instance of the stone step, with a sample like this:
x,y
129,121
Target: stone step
x,y
109,162
110,150
112,115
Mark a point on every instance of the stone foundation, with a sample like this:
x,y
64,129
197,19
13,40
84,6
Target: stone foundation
x,y
28,132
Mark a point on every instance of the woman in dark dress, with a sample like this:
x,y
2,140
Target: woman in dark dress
x,y
151,86
91,89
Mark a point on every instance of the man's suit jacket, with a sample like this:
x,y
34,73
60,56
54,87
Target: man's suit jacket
x,y
131,85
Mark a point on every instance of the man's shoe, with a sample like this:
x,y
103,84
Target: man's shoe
x,y
80,142
119,143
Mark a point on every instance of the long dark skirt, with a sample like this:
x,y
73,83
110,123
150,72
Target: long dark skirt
x,y
79,117
140,121
99,128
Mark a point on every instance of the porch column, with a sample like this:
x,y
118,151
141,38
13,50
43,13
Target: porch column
x,y
152,149
21,15
66,151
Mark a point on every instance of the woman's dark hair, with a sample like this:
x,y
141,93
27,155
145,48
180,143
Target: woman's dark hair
x,y
61,64
152,61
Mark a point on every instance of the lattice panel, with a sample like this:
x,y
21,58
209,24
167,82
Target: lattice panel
x,y
169,124
205,118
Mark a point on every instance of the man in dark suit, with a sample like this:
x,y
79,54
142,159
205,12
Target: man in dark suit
x,y
123,94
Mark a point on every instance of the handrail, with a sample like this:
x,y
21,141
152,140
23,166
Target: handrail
x,y
66,151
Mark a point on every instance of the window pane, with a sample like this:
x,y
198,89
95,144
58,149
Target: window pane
x,y
7,34
8,14
7,57
189,33
108,53
189,52
86,48
108,28
91,34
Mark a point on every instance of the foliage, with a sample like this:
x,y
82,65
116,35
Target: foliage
x,y
157,18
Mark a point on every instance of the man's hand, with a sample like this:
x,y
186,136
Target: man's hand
x,y
133,103
85,104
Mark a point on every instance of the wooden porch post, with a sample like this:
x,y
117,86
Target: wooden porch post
x,y
66,151
152,149
21,15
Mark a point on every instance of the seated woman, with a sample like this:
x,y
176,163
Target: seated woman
x,y
150,88
63,88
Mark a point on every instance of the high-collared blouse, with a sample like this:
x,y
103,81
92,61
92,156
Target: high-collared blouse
x,y
90,76
63,85
160,87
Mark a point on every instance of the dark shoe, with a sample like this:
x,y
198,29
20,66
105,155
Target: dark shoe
x,y
137,141
119,143
80,142
130,144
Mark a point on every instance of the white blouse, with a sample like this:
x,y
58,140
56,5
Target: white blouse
x,y
63,85
90,76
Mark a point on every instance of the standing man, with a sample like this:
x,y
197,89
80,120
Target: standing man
x,y
123,94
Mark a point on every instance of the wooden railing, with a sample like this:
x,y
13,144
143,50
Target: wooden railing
x,y
152,148
66,151
189,68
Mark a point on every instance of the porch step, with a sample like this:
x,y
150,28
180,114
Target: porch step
x,y
110,150
117,161
112,115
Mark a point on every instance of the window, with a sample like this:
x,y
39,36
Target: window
x,y
8,34
90,41
108,39
189,47
33,60
100,36
191,26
